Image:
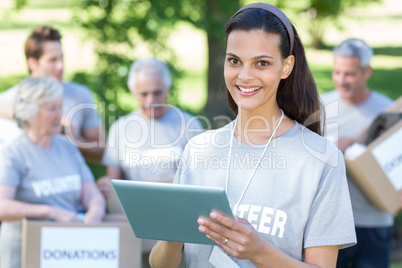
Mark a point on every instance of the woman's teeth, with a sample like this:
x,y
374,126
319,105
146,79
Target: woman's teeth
x,y
251,89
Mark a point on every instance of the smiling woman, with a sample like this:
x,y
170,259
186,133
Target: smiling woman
x,y
255,68
296,214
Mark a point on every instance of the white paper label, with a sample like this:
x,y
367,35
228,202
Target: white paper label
x,y
389,156
79,247
220,259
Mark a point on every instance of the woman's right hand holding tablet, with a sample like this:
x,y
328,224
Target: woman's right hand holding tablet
x,y
235,236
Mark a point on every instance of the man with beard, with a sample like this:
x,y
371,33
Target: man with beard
x,y
146,144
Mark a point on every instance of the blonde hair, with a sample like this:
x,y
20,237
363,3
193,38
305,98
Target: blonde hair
x,y
33,93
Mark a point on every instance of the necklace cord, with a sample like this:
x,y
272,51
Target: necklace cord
x,y
259,161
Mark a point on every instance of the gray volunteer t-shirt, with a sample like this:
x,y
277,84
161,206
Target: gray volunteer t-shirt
x,y
44,175
52,176
79,106
345,120
298,197
147,150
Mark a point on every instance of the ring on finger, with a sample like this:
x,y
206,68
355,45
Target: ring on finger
x,y
226,241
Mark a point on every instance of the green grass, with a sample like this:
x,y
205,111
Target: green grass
x,y
191,90
384,80
46,4
23,25
12,19
8,81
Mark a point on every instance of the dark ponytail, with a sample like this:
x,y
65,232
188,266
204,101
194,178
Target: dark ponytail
x,y
297,95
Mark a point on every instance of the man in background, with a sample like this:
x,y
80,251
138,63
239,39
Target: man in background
x,y
146,144
81,121
350,109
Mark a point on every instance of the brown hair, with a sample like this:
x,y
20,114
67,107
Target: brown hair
x,y
34,43
297,95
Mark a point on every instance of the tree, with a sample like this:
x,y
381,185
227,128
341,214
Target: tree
x,y
117,25
321,13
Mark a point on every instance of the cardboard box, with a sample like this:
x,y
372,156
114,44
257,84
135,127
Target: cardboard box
x,y
113,204
378,171
109,244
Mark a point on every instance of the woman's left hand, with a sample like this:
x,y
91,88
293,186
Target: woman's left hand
x,y
235,236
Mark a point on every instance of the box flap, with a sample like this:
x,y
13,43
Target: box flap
x,y
385,135
395,108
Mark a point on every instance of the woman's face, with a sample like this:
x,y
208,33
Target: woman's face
x,y
47,120
253,69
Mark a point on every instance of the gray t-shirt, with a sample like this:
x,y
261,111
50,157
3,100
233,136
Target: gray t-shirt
x,y
78,105
345,120
52,176
298,197
147,150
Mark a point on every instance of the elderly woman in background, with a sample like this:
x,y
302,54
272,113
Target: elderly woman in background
x,y
42,174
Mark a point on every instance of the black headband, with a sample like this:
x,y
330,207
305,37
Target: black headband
x,y
278,13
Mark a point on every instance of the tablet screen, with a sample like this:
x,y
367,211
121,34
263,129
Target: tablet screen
x,y
165,211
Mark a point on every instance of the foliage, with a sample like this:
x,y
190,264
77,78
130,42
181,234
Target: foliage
x,y
120,27
19,3
318,14
321,13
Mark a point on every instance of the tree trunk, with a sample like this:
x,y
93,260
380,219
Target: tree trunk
x,y
217,109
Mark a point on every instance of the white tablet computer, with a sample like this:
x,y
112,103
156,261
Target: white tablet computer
x,y
165,211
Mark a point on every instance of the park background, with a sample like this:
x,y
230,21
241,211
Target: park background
x,y
101,38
